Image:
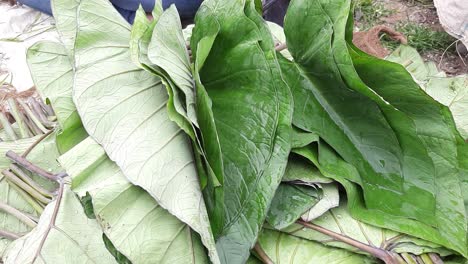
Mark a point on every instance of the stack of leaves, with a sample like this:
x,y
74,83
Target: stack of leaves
x,y
215,144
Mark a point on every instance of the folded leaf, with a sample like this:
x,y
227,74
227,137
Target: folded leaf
x,y
251,108
132,220
391,140
73,239
124,109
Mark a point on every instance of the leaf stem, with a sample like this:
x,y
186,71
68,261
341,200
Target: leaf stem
x,y
52,220
33,117
30,190
29,166
7,126
262,254
18,214
281,47
39,140
9,235
34,204
376,252
23,176
24,130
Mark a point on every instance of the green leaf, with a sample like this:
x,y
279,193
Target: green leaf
x,y
124,109
290,202
355,103
453,93
65,14
72,239
136,225
168,51
340,221
284,248
52,72
334,167
251,109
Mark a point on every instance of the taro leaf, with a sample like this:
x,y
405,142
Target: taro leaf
x,y
45,155
278,36
395,149
284,248
251,106
136,225
73,239
302,138
124,109
65,13
340,221
168,51
331,165
290,202
452,92
52,73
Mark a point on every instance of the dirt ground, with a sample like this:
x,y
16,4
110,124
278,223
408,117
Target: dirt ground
x,y
395,12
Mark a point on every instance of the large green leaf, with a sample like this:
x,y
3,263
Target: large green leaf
x,y
393,141
124,109
331,165
251,109
52,72
132,220
283,248
72,239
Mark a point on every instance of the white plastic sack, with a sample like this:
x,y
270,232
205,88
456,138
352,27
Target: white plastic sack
x,y
453,15
20,27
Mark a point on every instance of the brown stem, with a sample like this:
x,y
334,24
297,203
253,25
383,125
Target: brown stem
x,y
27,188
262,254
18,214
52,220
23,176
39,140
376,252
33,117
436,258
9,235
29,166
281,47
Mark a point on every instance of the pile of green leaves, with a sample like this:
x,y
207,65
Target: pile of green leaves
x,y
211,145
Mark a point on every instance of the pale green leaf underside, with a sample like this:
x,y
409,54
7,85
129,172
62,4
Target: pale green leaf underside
x,y
284,248
73,239
137,226
124,109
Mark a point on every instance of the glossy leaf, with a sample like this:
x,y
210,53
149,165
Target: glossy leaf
x,y
124,109
390,140
251,109
73,239
132,220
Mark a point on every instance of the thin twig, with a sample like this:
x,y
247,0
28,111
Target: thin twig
x,y
39,140
52,220
29,166
23,176
30,190
445,51
376,252
262,254
18,214
9,235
